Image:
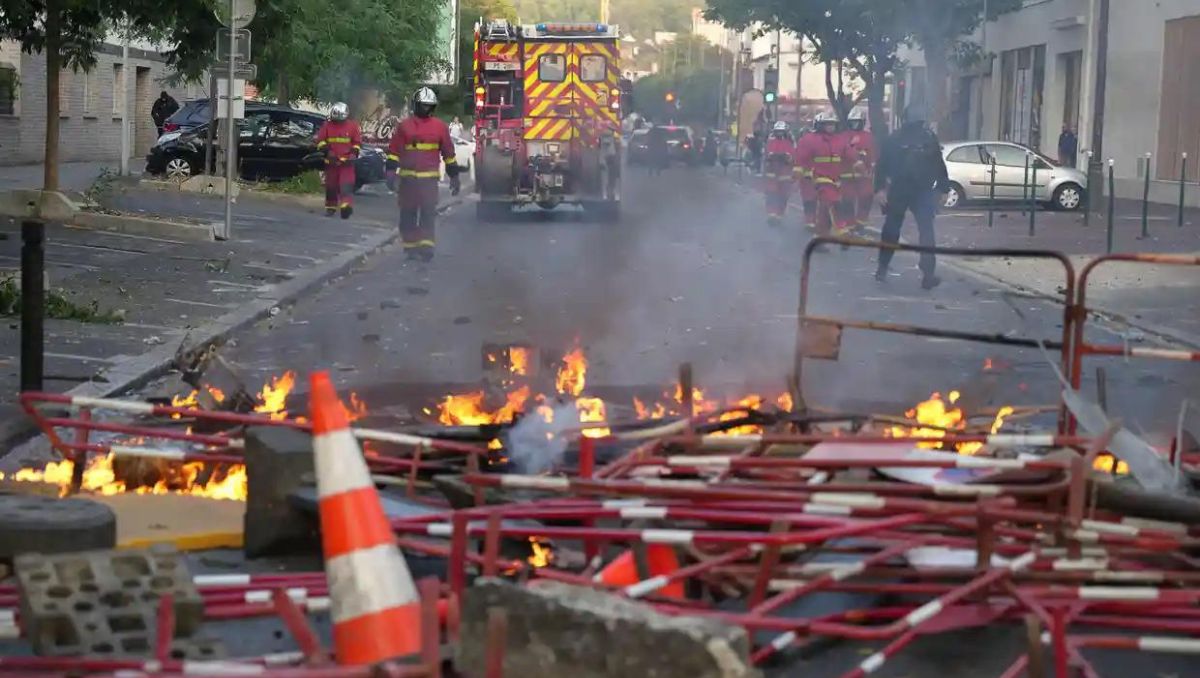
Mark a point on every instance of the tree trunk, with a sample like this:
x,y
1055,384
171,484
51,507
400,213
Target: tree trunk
x,y
830,90
281,85
936,73
875,94
53,51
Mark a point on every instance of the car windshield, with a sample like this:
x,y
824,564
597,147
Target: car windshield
x,y
676,133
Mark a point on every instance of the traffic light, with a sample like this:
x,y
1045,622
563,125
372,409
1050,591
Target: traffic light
x,y
771,84
670,97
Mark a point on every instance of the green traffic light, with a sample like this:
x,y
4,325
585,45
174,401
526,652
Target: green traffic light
x,y
770,97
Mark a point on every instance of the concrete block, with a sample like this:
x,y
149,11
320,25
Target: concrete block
x,y
209,184
48,205
560,629
277,462
124,223
105,603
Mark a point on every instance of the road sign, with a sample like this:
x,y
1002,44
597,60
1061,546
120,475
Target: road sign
x,y
242,37
239,98
235,13
241,71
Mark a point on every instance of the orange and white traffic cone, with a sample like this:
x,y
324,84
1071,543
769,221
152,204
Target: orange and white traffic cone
x,y
660,560
375,609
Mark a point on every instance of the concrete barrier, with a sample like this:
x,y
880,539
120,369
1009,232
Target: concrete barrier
x,y
48,205
208,184
122,223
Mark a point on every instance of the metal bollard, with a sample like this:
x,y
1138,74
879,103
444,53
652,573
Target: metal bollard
x,y
1087,207
1033,198
1025,184
1182,186
992,195
33,304
1146,199
1112,203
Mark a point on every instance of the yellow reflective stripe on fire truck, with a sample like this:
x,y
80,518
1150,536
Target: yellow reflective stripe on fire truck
x,y
827,158
423,146
421,174
553,129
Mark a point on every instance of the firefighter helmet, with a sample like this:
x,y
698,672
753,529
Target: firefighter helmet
x,y
825,119
339,111
424,101
781,126
858,119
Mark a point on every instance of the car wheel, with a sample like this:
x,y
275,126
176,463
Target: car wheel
x,y
1068,197
954,197
178,167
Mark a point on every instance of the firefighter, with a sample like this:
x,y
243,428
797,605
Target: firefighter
x,y
340,140
821,155
808,191
778,176
858,185
419,145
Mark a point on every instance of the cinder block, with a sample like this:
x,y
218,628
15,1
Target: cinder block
x,y
277,462
106,603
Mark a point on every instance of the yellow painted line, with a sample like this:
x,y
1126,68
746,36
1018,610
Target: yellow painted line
x,y
191,542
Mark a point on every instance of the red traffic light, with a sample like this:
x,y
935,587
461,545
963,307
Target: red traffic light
x,y
670,97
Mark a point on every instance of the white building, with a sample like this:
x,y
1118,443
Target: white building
x,y
1041,76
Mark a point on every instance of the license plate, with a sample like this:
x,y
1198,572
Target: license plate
x,y
499,66
558,180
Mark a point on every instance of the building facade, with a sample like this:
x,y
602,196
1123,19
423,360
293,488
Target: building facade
x,y
92,103
1040,75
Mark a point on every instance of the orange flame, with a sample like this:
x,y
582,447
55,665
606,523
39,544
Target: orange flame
x,y
518,360
542,554
100,477
273,396
572,376
591,410
937,417
468,410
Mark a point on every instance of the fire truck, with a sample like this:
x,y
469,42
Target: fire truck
x,y
547,117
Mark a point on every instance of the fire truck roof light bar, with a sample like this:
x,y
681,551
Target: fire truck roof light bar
x,y
570,29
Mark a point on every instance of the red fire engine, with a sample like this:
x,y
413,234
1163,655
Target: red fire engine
x,y
547,117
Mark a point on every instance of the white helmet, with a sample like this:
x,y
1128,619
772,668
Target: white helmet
x,y
339,111
424,101
781,126
858,119
824,118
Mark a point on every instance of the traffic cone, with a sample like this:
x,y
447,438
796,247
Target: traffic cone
x,y
661,561
375,609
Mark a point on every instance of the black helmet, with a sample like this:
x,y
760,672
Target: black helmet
x,y
916,114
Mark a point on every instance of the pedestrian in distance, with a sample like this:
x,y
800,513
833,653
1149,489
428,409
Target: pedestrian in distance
x,y
164,107
456,128
910,177
1068,146
778,173
419,146
340,139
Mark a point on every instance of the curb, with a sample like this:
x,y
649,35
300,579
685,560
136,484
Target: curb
x,y
123,223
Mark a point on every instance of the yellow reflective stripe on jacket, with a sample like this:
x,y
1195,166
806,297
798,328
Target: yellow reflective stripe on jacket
x,y
418,243
451,161
421,174
423,146
322,143
827,158
337,140
392,156
826,180
357,147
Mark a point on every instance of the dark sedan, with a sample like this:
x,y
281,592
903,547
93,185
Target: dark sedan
x,y
274,143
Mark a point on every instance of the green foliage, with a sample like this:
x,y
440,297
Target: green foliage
x,y
58,306
306,183
697,92
636,17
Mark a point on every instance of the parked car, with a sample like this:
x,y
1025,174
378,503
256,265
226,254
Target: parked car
x,y
190,115
275,142
681,144
464,153
969,165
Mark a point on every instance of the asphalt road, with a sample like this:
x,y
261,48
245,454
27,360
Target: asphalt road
x,y
691,274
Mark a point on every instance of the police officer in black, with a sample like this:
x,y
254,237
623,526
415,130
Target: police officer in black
x,y
912,172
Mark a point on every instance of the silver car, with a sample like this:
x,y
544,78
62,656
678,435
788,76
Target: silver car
x,y
970,163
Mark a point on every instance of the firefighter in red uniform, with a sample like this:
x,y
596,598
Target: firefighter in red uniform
x,y
808,191
419,145
821,156
341,141
778,176
859,184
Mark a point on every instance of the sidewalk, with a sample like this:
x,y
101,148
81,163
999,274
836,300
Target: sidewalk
x,y
74,177
169,291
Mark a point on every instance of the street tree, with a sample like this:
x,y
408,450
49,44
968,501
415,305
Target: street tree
x,y
69,32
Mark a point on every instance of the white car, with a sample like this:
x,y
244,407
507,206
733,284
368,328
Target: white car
x,y
969,164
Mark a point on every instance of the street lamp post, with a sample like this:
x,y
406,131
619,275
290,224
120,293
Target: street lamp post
x,y
1096,163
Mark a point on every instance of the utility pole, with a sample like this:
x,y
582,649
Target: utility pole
x,y
123,162
1096,161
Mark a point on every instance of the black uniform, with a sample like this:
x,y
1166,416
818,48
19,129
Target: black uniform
x,y
913,171
164,107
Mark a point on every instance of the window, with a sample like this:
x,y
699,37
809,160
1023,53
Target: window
x,y
118,106
552,68
254,125
1008,156
967,154
292,128
593,68
8,90
64,93
90,95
